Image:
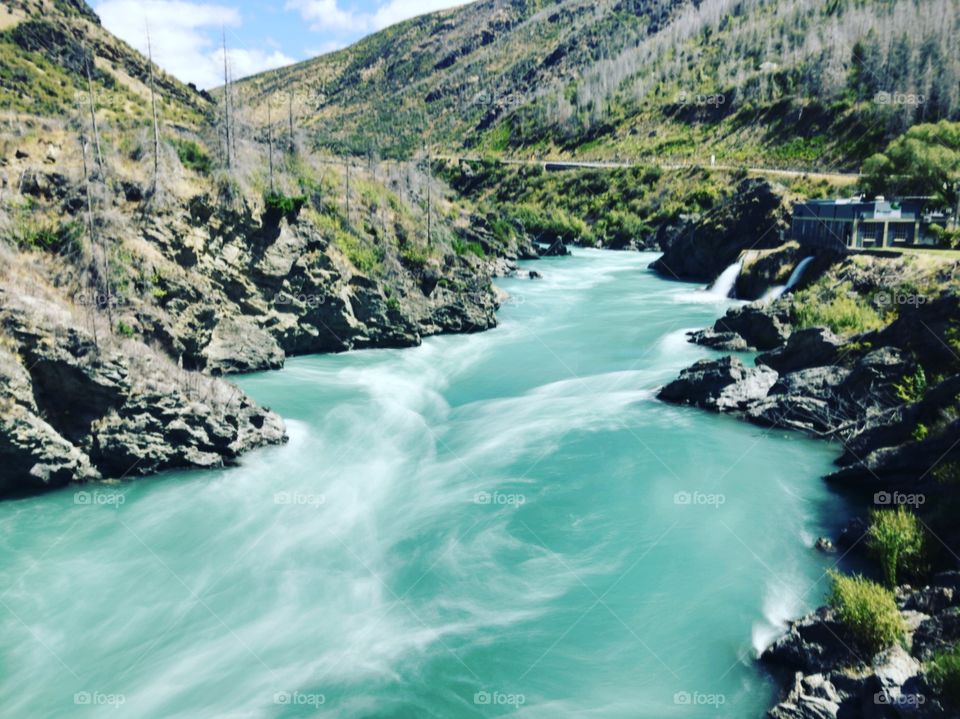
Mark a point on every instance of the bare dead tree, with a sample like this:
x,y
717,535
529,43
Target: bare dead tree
x,y
156,122
293,141
347,195
226,101
92,304
93,116
270,139
102,176
429,171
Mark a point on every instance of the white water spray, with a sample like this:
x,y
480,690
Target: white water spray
x,y
723,285
775,293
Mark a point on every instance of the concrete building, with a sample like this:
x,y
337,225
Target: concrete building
x,y
855,223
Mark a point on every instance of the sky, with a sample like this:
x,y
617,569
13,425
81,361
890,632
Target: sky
x,y
186,36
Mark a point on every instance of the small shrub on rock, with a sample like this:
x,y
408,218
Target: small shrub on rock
x,y
868,610
943,672
895,538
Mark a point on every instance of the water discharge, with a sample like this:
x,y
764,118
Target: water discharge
x,y
502,523
775,293
724,284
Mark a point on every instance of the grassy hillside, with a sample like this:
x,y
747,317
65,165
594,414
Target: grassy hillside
x,y
776,83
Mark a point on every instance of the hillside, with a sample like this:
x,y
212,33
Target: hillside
x,y
785,83
142,259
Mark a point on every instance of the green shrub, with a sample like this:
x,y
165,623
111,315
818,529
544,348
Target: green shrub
x,y
463,248
549,225
943,671
368,260
867,610
192,156
125,330
49,236
839,308
414,256
895,538
284,204
913,388
920,432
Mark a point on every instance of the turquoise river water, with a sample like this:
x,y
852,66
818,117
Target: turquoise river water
x,y
502,524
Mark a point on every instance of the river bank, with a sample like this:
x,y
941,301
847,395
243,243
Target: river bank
x,y
863,354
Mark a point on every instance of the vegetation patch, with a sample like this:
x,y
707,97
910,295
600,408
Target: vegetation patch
x,y
367,259
867,610
193,156
839,308
943,672
896,539
280,204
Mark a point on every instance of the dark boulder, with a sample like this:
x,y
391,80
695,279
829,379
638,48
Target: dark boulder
x,y
812,347
700,249
761,327
723,384
818,642
724,341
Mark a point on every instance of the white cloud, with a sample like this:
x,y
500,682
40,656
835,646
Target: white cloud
x,y
326,15
185,38
327,47
396,11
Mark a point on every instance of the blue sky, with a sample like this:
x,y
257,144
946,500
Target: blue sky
x,y
186,34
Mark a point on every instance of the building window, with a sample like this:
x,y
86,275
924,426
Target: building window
x,y
902,232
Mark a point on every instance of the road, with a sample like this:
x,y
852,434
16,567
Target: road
x,y
555,165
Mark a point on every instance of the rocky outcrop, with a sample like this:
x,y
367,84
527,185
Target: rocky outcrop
x,y
748,327
237,292
721,385
79,405
824,400
701,248
828,676
813,347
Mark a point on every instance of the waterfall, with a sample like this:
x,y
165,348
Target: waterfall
x,y
776,292
797,274
723,285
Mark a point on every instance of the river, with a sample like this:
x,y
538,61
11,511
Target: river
x,y
506,523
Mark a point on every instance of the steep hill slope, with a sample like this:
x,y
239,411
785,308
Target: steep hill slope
x,y
784,82
139,258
